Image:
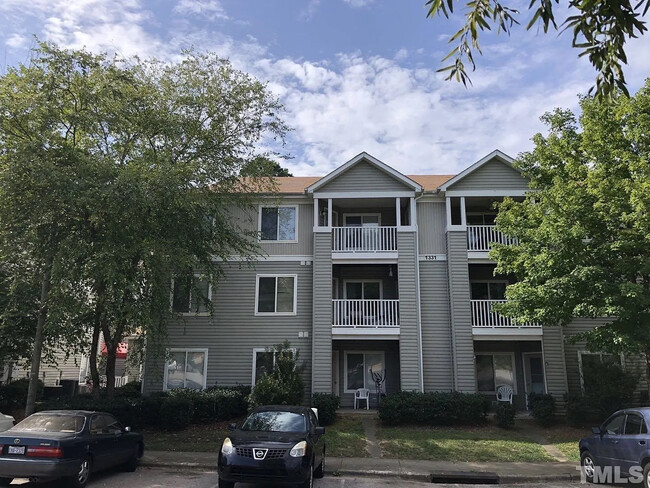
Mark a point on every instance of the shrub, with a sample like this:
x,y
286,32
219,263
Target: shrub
x,y
505,413
608,387
579,413
176,412
214,404
130,390
13,395
327,404
543,408
434,408
283,385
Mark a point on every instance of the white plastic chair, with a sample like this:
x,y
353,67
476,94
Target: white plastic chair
x,y
504,394
362,394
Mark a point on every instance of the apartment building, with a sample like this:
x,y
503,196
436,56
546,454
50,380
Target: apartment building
x,y
370,271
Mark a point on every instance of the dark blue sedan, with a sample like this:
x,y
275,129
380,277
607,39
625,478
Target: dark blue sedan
x,y
618,450
68,444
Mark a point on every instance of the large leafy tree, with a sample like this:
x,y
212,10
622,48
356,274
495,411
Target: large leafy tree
x,y
144,164
599,30
584,233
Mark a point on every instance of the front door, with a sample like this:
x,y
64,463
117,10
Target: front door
x,y
335,373
534,373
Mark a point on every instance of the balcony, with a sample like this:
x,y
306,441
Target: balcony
x,y
370,317
371,244
480,238
487,321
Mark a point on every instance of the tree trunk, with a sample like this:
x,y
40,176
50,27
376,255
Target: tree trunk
x,y
110,368
32,391
92,360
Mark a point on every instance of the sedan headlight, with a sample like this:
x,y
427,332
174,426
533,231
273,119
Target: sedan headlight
x,y
226,447
299,450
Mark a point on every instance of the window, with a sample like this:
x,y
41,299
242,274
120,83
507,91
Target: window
x,y
589,364
362,220
278,223
363,290
494,370
359,367
186,368
488,290
276,294
615,425
476,218
634,425
191,296
263,362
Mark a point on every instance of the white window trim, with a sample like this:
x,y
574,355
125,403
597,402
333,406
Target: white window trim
x,y
589,353
345,369
488,282
190,313
362,281
257,294
265,349
371,214
514,370
259,225
188,350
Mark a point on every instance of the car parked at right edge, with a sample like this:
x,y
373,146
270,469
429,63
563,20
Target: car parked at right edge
x,y
619,448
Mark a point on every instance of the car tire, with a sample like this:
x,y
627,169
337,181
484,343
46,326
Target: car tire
x,y
80,480
226,484
5,481
320,470
646,475
588,466
132,464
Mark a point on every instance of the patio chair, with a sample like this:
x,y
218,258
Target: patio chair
x,y
362,394
504,394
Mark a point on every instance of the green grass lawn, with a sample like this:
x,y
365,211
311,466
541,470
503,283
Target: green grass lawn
x,y
481,444
566,439
345,438
196,438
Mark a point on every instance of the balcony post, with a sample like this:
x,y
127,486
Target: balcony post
x,y
463,214
413,220
316,216
398,212
329,212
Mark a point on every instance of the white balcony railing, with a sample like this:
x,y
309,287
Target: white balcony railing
x,y
364,239
365,313
484,316
479,237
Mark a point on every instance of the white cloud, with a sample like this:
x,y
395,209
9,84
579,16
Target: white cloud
x,y
211,9
358,3
17,41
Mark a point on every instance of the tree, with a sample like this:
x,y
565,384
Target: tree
x,y
263,165
156,152
600,30
583,234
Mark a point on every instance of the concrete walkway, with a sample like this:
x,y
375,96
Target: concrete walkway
x,y
394,468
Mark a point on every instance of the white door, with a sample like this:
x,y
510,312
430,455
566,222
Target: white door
x,y
335,373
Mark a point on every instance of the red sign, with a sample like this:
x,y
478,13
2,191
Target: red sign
x,y
122,350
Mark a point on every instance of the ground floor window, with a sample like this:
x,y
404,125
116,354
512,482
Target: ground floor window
x,y
186,368
263,362
589,363
359,367
494,370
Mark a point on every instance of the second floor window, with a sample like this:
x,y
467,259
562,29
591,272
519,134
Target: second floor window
x,y
191,296
488,290
278,223
276,294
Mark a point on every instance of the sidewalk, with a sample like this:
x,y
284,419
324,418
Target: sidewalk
x,y
440,471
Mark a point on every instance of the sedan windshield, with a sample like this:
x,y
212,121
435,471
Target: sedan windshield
x,y
275,422
51,423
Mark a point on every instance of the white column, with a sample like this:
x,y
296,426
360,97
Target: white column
x,y
463,215
414,217
398,213
448,206
329,212
316,212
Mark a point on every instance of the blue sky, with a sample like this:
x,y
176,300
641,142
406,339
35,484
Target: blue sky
x,y
354,75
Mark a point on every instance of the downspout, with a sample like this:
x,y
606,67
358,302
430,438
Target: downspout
x,y
418,293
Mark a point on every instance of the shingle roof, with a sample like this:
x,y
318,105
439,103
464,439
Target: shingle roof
x,y
297,184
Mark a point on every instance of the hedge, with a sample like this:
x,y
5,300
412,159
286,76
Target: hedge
x,y
434,408
327,405
13,395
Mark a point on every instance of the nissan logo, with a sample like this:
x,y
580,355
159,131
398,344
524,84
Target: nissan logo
x,y
259,454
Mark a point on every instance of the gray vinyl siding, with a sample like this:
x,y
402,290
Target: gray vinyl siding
x,y
633,364
391,355
61,368
432,223
234,331
248,220
436,331
409,340
491,176
555,367
322,314
462,339
364,176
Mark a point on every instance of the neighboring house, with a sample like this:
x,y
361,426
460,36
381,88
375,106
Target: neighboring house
x,y
368,269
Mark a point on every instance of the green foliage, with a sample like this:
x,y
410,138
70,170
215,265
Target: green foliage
x,y
176,413
130,390
579,413
505,414
327,405
14,395
433,408
284,384
583,234
607,387
543,408
600,30
214,404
